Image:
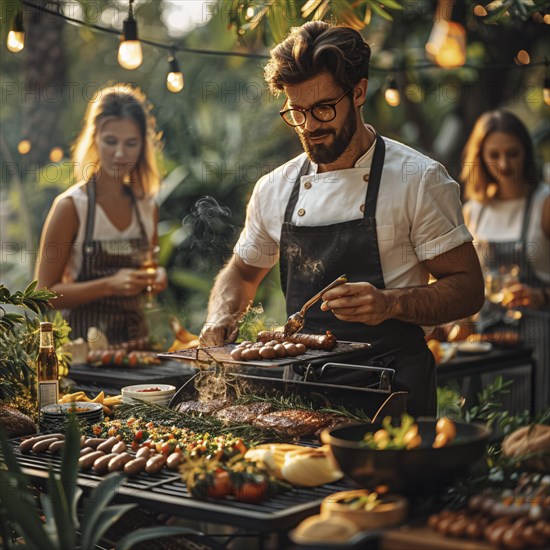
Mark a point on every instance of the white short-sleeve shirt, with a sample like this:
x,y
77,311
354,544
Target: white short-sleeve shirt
x,y
418,213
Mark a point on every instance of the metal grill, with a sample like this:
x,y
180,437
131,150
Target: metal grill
x,y
342,350
166,493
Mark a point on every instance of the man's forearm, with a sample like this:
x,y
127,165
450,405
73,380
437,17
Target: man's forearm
x,y
453,297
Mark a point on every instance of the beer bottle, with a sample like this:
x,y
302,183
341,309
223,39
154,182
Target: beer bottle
x,y
47,369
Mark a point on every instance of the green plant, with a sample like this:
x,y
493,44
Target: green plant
x,y
61,528
19,334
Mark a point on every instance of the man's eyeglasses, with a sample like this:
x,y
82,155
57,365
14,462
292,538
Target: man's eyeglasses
x,y
323,112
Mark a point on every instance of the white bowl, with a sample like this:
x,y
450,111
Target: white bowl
x,y
163,401
164,390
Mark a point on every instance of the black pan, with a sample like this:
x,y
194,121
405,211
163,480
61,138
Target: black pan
x,y
423,470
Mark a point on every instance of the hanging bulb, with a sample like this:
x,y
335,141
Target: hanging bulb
x,y
56,154
446,45
24,147
392,95
174,80
546,91
16,37
130,55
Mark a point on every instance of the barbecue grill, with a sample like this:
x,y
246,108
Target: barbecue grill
x,y
309,375
166,493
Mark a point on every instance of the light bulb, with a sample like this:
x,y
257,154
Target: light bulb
x,y
447,44
546,91
56,154
392,97
174,82
15,41
24,147
130,55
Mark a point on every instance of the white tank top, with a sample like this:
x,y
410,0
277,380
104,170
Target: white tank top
x,y
103,227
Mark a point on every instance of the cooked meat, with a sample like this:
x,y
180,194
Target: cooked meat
x,y
243,414
204,407
324,342
15,423
294,422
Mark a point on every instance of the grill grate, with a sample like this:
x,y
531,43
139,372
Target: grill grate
x,y
166,493
223,355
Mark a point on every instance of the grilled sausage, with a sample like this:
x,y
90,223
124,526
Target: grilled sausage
x,y
119,461
56,446
41,446
119,447
26,445
134,467
324,342
86,450
101,464
155,463
173,461
144,452
86,462
107,445
93,442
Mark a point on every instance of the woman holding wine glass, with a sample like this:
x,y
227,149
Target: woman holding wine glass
x,y
94,235
508,213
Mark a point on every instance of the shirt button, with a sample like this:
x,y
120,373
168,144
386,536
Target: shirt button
x,y
366,177
362,208
301,212
307,185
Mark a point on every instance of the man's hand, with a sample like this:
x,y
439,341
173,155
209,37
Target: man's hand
x,y
359,303
223,330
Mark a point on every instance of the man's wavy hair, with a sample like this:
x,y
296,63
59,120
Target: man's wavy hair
x,y
314,48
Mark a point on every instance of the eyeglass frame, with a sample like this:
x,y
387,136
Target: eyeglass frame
x,y
310,110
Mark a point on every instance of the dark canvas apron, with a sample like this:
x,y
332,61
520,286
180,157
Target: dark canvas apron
x,y
352,248
534,325
120,318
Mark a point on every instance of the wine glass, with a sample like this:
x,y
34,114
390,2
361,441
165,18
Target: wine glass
x,y
149,257
497,281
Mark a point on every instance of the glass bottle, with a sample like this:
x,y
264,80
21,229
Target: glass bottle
x,y
47,369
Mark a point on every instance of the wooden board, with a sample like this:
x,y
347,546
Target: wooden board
x,y
423,538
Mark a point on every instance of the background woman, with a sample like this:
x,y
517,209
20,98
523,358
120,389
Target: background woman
x,y
96,231
508,213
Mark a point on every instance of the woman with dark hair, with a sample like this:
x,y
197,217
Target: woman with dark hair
x,y
509,215
96,232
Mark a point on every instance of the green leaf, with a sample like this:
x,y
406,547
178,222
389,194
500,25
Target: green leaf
x,y
95,505
153,533
380,11
107,518
69,459
31,287
65,529
392,4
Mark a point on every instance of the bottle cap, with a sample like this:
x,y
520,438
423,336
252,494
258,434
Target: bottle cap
x,y
46,326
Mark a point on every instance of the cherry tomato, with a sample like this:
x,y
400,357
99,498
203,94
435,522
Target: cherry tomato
x,y
251,491
220,486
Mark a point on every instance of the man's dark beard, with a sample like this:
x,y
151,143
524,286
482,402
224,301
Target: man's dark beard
x,y
323,154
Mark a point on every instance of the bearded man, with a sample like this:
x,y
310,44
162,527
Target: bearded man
x,y
357,203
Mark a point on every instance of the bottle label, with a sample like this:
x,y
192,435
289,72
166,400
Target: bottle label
x,y
48,393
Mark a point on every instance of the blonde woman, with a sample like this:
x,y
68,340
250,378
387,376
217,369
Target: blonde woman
x,y
508,213
93,238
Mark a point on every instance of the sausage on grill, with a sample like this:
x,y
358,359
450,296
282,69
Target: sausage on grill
x,y
325,342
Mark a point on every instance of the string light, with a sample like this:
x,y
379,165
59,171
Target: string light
x,y
56,154
16,37
522,58
391,94
446,45
24,147
174,80
130,55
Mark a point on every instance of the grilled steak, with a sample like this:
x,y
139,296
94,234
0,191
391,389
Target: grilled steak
x,y
243,414
204,407
294,422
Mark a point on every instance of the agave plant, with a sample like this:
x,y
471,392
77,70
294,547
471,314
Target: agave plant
x,y
60,527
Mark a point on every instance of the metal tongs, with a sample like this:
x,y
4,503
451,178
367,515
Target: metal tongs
x,y
296,321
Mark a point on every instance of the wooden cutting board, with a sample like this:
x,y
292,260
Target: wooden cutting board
x,y
423,538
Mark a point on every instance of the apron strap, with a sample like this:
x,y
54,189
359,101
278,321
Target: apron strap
x,y
375,177
291,204
90,216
